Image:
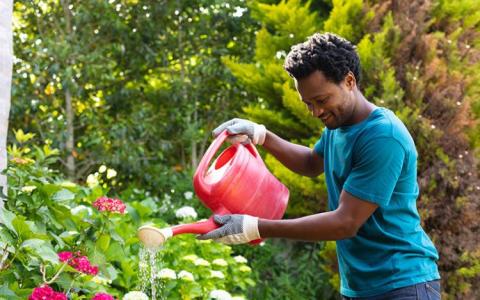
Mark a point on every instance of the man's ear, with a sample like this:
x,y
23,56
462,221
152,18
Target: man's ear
x,y
350,81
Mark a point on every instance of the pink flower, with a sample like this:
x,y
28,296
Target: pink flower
x,y
83,265
45,292
65,256
78,262
109,204
102,296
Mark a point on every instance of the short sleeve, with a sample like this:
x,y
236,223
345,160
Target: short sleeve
x,y
377,167
319,147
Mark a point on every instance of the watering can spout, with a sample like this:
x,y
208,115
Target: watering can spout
x,y
153,237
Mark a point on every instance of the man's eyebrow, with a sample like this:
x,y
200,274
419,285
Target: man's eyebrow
x,y
316,97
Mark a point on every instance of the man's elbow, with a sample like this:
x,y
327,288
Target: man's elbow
x,y
312,171
348,229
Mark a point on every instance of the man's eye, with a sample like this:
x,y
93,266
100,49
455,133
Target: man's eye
x,y
321,101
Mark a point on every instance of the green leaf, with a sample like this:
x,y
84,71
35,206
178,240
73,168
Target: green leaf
x,y
23,230
63,195
111,273
115,252
6,237
116,236
50,189
6,218
69,236
7,293
22,137
42,249
103,242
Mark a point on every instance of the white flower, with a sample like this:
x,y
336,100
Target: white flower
x,y
111,173
186,212
185,275
245,269
102,169
220,295
92,180
167,273
217,274
188,195
28,188
220,262
201,262
135,295
240,259
190,257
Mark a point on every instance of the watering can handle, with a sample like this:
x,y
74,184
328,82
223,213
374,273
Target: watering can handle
x,y
255,153
199,177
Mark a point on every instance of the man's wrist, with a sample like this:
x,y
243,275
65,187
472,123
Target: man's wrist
x,y
259,134
250,225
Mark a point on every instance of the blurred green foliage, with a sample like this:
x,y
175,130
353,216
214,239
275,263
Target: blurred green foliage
x,y
45,215
150,79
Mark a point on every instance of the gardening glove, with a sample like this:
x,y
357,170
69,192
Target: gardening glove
x,y
236,229
243,131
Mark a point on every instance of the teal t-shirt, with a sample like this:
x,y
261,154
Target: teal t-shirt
x,y
376,161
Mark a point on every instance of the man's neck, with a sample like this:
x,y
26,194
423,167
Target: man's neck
x,y
363,108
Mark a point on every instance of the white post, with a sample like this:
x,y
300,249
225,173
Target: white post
x,y
6,63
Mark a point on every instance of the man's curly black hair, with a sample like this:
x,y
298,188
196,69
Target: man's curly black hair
x,y
334,56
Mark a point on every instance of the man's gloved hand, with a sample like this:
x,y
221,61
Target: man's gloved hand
x,y
244,131
236,229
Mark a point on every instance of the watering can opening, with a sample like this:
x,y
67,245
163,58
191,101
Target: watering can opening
x,y
220,166
223,162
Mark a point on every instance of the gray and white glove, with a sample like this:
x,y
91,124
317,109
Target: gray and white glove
x,y
236,229
243,131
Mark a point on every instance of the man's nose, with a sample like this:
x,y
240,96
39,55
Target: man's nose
x,y
317,111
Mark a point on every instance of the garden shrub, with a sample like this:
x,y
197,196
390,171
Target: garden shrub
x,y
59,238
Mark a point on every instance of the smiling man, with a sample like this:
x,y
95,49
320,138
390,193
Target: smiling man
x,y
370,164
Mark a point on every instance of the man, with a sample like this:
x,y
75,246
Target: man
x,y
370,165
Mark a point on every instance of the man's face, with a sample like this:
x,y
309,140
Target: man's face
x,y
332,103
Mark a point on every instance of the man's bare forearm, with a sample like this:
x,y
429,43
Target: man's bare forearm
x,y
327,226
297,158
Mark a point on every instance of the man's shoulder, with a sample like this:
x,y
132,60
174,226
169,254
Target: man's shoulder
x,y
386,125
385,122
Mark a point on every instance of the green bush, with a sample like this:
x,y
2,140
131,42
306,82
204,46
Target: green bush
x,y
45,215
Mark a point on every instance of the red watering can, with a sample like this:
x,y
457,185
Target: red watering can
x,y
237,182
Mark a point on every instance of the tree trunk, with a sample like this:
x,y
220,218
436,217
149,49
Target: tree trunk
x,y
193,142
6,62
70,145
70,142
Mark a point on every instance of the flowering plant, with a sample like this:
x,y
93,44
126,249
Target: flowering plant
x,y
78,262
47,215
46,292
110,205
103,296
135,295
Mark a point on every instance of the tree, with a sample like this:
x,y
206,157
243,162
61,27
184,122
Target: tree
x,y
6,61
145,81
426,71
